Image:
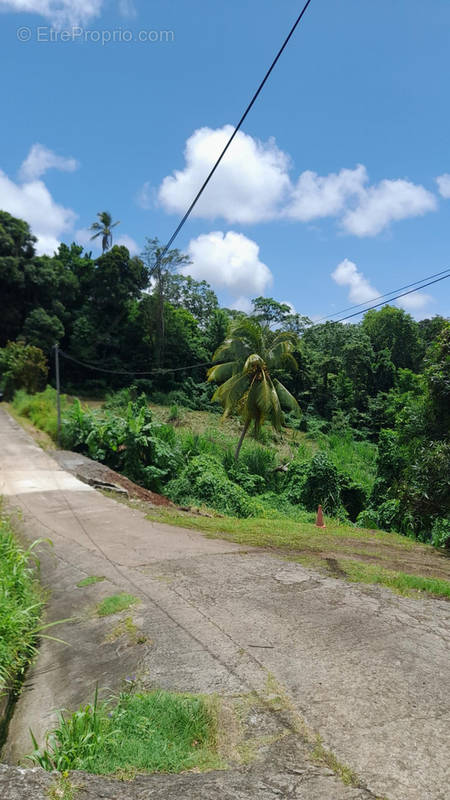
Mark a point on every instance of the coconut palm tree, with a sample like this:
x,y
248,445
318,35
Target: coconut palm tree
x,y
248,359
103,229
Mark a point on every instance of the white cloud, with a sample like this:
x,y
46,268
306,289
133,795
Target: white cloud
x,y
59,12
33,202
229,261
415,302
146,196
360,289
443,182
387,202
242,304
127,241
253,184
249,185
317,196
40,159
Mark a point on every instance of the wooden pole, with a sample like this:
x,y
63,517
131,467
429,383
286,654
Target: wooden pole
x,y
58,395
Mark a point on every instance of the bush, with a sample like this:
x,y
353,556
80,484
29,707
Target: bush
x,y
315,483
367,519
189,394
22,366
239,473
204,478
440,533
133,442
390,515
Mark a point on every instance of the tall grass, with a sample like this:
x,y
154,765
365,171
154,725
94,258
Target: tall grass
x,y
40,408
20,608
356,458
146,732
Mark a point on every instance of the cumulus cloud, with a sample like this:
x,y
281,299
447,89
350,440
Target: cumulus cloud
x,y
59,12
443,182
40,159
229,261
387,202
249,185
253,184
317,196
129,242
360,289
33,202
415,302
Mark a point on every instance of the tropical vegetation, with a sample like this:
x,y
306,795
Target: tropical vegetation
x,y
355,417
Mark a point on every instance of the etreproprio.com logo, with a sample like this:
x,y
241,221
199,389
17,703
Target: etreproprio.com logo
x,y
45,34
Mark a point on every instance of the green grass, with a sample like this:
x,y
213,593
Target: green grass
x,y
399,582
90,580
20,608
328,550
357,459
141,732
40,409
115,603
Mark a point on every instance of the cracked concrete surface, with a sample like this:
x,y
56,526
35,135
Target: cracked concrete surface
x,y
364,668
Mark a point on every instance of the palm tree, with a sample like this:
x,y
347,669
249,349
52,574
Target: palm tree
x,y
248,357
103,229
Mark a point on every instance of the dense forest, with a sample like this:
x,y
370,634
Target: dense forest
x,y
383,382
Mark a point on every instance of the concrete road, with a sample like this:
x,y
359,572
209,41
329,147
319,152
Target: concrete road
x,y
365,669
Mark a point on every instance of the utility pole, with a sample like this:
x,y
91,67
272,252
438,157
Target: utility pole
x,y
58,394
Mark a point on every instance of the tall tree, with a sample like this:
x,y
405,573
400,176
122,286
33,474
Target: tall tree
x,y
104,229
250,357
160,268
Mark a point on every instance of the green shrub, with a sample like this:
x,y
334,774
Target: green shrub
x,y
368,519
254,470
175,414
197,444
314,483
390,515
204,478
239,473
22,366
118,401
440,533
132,442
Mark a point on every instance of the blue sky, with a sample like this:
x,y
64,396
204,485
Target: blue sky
x,y
335,173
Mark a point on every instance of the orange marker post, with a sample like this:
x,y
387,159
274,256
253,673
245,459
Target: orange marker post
x,y
319,519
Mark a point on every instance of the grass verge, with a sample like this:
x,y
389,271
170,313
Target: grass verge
x,y
140,732
21,605
341,551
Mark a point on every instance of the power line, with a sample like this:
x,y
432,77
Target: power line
x,y
445,272
236,130
158,371
377,305
163,370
